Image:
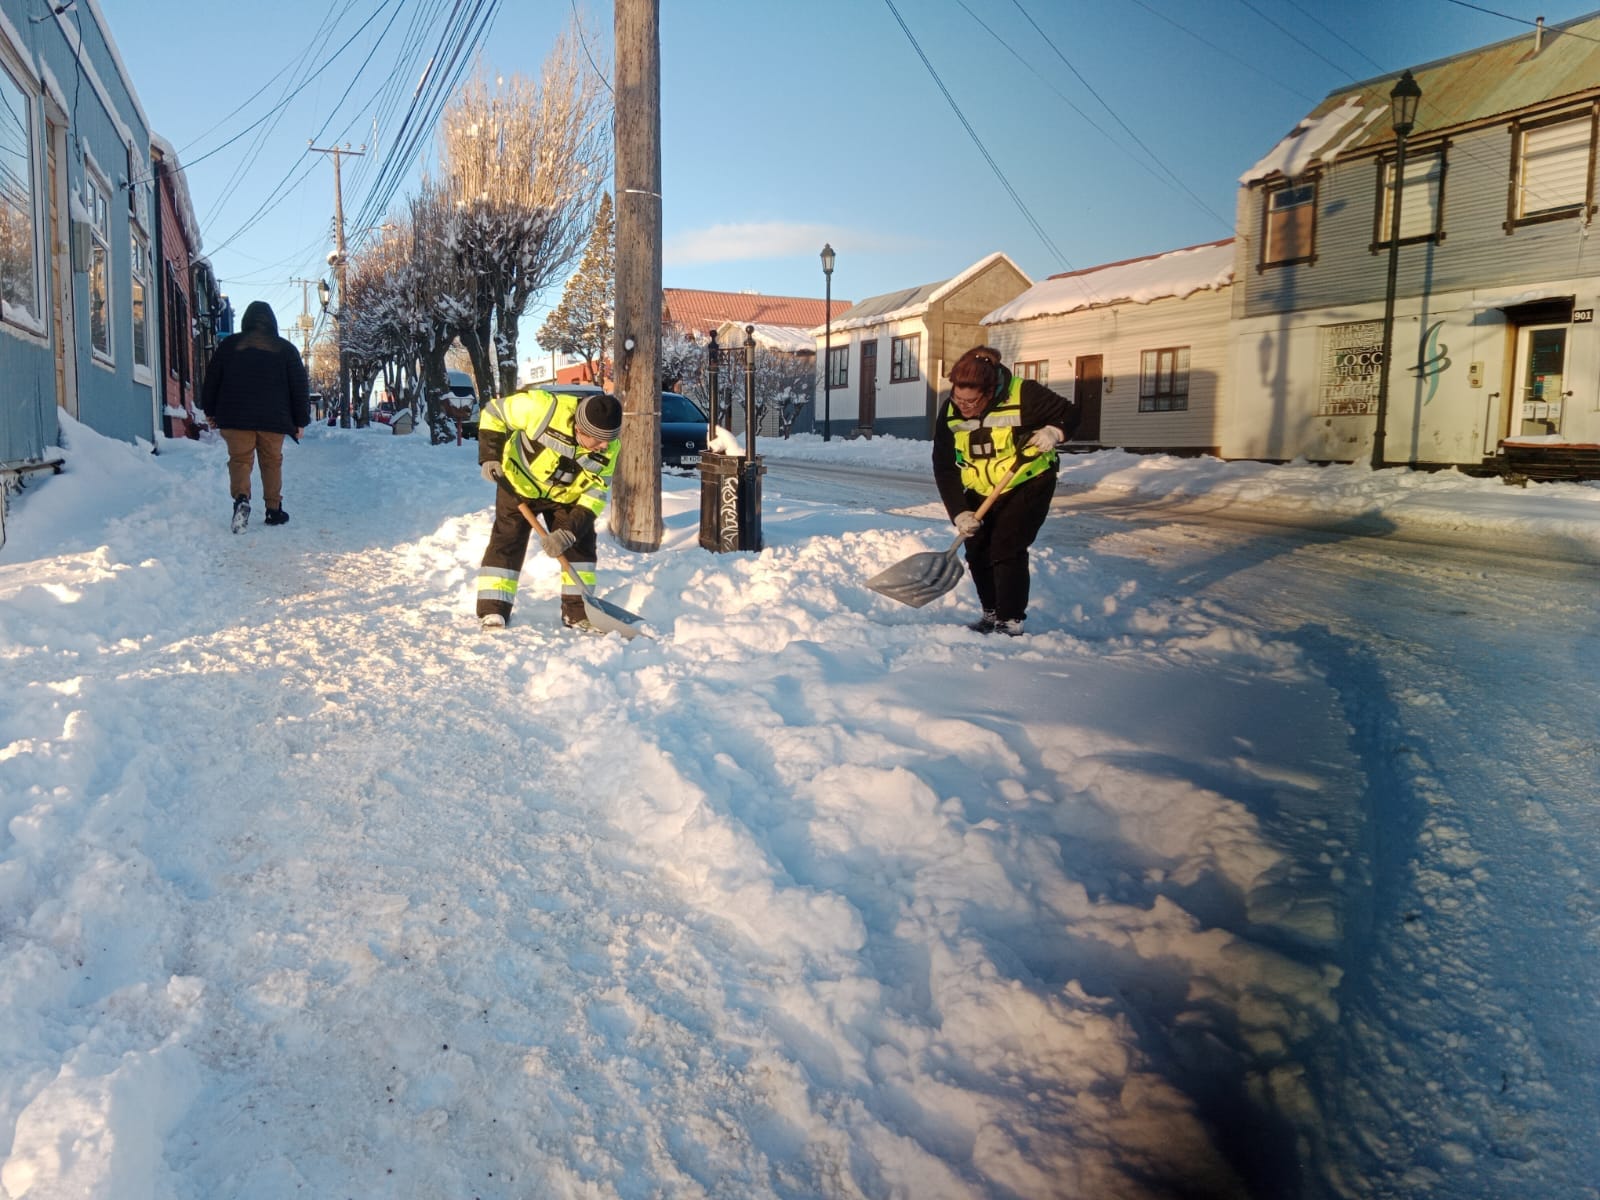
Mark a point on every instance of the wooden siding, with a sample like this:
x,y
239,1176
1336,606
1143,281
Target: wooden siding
x,y
1120,333
1475,251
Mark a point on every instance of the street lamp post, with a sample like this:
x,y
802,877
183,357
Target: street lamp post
x,y
1403,111
827,342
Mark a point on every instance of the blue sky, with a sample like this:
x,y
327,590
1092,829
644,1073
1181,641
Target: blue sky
x,y
1121,125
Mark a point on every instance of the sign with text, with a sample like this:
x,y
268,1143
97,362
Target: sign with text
x,y
1351,356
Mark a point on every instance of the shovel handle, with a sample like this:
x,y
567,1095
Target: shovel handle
x,y
988,501
533,519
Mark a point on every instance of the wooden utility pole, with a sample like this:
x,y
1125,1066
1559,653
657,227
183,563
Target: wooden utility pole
x,y
338,259
305,323
636,349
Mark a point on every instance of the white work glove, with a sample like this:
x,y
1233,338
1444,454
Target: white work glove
x,y
1045,439
966,523
491,471
557,542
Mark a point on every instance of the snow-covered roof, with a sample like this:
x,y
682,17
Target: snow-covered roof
x,y
1307,141
789,339
1529,72
1175,274
913,302
180,191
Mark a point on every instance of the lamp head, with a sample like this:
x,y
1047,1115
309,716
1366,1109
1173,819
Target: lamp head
x,y
1403,105
827,259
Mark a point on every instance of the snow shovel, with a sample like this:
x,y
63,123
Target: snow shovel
x,y
603,615
925,577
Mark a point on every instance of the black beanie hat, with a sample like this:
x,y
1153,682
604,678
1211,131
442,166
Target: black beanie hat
x,y
600,416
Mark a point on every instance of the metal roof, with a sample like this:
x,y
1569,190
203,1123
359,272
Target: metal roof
x,y
701,311
1534,69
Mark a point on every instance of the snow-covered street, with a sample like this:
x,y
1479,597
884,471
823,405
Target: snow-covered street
x,y
1261,867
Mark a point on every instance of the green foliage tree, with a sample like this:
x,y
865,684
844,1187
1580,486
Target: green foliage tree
x,y
581,324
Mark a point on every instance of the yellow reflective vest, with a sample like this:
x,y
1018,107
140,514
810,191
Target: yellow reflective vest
x,y
541,457
987,446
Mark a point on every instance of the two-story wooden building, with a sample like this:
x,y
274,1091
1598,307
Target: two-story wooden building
x,y
1497,283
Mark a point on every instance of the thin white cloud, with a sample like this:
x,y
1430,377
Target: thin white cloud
x,y
766,239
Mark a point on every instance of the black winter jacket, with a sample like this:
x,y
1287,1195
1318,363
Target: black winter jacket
x,y
256,379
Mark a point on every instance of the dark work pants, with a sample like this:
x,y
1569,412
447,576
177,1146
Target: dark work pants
x,y
508,548
997,555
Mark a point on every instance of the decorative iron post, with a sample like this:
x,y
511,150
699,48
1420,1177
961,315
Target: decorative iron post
x,y
827,342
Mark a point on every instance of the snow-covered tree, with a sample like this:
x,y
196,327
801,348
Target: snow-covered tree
x,y
524,163
581,324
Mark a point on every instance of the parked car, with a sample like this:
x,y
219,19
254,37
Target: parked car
x,y
464,395
683,423
683,430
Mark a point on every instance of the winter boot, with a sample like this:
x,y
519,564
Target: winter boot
x,y
985,623
241,513
1009,628
580,624
492,621
276,516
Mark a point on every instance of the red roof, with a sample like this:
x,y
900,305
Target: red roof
x,y
699,312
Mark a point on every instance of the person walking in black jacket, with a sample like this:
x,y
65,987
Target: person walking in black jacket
x,y
992,423
256,391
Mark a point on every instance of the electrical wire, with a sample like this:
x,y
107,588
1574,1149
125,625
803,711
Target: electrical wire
x,y
1154,157
1090,121
1016,199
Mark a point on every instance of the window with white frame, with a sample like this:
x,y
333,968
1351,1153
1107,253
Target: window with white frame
x,y
1420,199
1037,369
95,198
838,366
904,353
1290,224
1554,162
1164,380
139,268
139,275
20,284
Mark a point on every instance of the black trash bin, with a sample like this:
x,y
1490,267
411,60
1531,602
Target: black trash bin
x,y
730,501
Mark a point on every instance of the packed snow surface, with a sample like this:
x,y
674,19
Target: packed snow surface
x,y
310,888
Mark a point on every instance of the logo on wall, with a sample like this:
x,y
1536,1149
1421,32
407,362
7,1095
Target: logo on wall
x,y
1433,359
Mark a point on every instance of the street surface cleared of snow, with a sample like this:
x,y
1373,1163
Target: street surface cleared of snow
x,y
1261,866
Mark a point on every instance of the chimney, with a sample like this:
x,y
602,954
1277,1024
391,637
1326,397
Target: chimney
x,y
1538,34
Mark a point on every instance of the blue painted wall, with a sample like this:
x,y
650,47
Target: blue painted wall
x,y
102,121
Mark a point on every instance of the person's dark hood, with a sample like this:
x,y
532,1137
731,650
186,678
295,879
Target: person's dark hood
x,y
259,317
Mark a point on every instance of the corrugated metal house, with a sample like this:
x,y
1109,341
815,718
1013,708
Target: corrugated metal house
x,y
918,330
77,297
1143,346
1496,285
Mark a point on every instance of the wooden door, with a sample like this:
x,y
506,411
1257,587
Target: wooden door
x,y
1086,391
868,393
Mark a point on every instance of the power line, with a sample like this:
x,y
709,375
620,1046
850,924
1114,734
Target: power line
x,y
977,141
1087,119
1304,45
1136,139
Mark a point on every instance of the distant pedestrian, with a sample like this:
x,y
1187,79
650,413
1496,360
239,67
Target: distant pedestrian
x,y
555,453
991,423
256,392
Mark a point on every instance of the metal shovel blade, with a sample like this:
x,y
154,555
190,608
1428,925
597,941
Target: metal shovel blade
x,y
921,578
602,614
608,617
